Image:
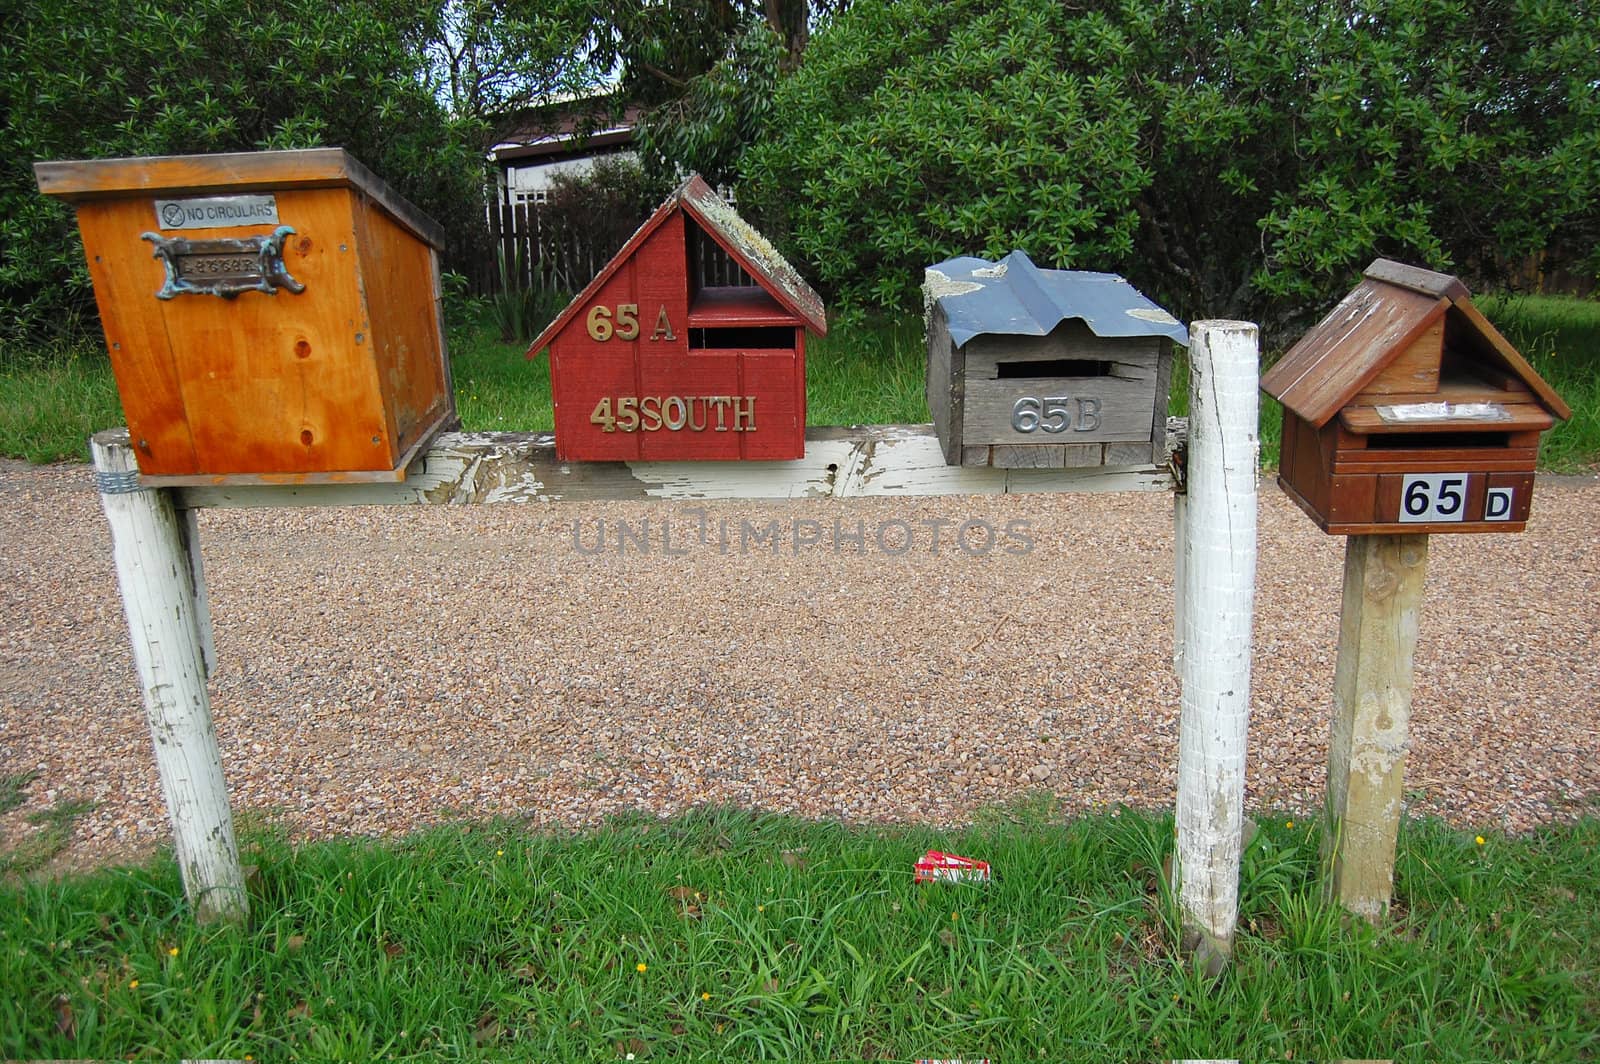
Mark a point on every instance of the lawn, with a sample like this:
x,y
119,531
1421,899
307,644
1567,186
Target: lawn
x,y
733,935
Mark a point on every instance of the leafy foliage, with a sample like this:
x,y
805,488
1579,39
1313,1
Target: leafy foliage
x,y
491,57
135,77
706,70
720,112
1229,156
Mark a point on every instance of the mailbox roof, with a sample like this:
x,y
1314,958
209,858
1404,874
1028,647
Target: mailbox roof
x,y
1381,317
752,251
77,180
1015,297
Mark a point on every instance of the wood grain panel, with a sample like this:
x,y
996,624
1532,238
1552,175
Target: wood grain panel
x,y
781,430
226,173
1125,410
693,373
1414,370
745,306
1351,498
1439,285
1033,457
1520,417
588,372
946,366
284,382
1489,459
397,279
126,279
1343,352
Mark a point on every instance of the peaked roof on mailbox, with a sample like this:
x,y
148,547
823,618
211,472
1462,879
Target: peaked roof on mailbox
x,y
1015,297
752,251
1379,319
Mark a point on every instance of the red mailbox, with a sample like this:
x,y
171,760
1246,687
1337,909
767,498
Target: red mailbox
x,y
690,344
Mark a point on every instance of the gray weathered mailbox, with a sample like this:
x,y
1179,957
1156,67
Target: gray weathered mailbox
x,y
1045,368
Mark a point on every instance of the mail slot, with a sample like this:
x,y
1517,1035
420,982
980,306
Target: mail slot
x,y
271,316
1045,368
1405,410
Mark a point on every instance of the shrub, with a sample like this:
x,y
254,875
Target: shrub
x,y
134,77
1230,157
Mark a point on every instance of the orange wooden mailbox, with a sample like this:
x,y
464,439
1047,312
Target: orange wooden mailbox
x,y
654,361
1404,410
271,316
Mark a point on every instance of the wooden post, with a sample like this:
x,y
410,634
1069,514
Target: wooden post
x,y
157,565
1218,564
1383,579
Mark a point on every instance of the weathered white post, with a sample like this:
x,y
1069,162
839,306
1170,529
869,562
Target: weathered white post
x,y
157,563
1218,565
1383,580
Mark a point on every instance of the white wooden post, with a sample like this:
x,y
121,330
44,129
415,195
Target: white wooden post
x,y
1180,569
1218,598
157,565
1383,580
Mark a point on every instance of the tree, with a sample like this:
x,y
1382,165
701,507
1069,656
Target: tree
x,y
921,129
1232,157
137,77
489,58
707,71
721,112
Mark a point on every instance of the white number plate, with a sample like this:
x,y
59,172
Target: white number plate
x,y
1433,497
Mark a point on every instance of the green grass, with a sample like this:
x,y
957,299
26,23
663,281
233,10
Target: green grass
x,y
1561,338
51,403
36,849
724,935
497,388
12,786
871,374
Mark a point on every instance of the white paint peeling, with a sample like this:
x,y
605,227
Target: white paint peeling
x,y
937,285
1218,556
1155,316
162,608
996,271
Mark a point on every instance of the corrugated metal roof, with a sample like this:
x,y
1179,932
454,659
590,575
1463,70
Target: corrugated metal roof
x,y
1015,297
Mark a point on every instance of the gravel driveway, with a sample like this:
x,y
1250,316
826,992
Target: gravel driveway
x,y
381,669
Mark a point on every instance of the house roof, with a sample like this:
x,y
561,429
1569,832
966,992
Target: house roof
x,y
582,127
737,237
1015,297
1378,320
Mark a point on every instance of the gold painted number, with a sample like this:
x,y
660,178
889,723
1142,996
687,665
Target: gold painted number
x,y
628,321
625,325
600,327
602,410
627,406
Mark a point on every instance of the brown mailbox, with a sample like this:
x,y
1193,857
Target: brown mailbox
x,y
271,316
1045,368
1404,410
